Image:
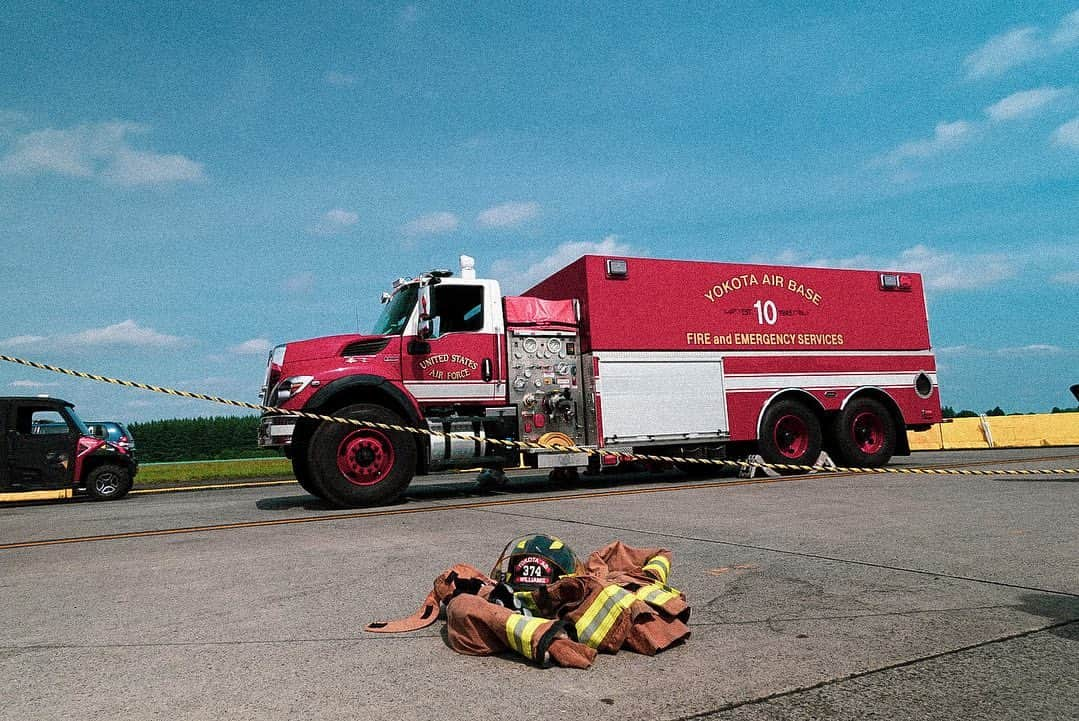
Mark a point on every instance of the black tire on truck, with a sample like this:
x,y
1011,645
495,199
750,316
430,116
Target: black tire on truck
x,y
355,466
864,433
790,434
108,482
303,473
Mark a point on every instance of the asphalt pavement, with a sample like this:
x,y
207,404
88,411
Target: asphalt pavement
x,y
843,596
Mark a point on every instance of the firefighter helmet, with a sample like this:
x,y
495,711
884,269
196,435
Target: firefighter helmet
x,y
534,561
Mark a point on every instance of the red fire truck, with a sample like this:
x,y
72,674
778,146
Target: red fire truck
x,y
665,357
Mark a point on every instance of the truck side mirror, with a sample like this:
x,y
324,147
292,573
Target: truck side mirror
x,y
429,326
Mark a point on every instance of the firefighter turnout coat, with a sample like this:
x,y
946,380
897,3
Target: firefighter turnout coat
x,y
620,599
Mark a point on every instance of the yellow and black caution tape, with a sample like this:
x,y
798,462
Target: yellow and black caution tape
x,y
529,445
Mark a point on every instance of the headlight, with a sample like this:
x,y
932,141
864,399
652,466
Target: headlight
x,y
291,386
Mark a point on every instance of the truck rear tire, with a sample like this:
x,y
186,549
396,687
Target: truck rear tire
x,y
108,482
356,466
864,433
790,434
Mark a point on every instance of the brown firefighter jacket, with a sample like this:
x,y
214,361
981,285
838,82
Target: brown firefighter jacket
x,y
619,600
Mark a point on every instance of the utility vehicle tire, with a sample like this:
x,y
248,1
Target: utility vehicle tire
x,y
303,475
108,482
355,466
790,434
864,433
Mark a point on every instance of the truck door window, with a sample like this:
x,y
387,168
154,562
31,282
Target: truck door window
x,y
40,422
459,307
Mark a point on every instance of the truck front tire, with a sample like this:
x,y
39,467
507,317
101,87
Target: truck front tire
x,y
790,434
303,474
356,466
108,482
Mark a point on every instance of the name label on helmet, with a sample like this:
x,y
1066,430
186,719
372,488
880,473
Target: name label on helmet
x,y
532,570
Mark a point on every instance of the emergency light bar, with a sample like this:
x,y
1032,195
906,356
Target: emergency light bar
x,y
895,281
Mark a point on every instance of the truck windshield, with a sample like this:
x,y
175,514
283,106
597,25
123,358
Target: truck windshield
x,y
397,311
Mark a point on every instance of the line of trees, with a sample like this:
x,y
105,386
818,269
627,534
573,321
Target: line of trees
x,y
949,412
198,439
223,437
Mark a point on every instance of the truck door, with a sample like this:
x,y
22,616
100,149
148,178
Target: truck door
x,y
456,354
41,446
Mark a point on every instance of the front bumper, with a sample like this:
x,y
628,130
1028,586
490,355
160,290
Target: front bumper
x,y
276,431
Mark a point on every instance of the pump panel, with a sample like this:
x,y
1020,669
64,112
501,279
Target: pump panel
x,y
545,384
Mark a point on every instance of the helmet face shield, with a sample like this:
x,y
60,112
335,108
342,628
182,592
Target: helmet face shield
x,y
534,561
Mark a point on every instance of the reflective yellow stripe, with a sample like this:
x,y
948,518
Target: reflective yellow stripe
x,y
656,594
602,614
659,567
519,632
527,599
556,544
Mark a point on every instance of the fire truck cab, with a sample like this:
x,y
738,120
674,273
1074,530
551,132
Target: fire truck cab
x,y
678,358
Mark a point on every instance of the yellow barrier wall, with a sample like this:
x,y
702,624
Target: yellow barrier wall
x,y
1046,429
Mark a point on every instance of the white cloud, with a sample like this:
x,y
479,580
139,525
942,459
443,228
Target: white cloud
x,y
508,214
13,117
300,283
954,350
1068,134
1003,52
1067,32
1024,104
939,270
946,136
1032,349
409,15
9,120
136,167
127,332
341,80
516,280
432,224
949,271
100,151
255,346
23,340
32,384
335,221
1019,46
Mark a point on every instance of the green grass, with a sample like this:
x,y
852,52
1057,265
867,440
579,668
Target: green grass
x,y
171,474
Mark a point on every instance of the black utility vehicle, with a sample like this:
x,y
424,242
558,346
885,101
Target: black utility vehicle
x,y
44,445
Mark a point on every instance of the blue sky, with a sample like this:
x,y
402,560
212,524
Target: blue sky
x,y
184,186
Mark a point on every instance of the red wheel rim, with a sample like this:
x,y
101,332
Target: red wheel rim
x,y
365,457
791,436
867,430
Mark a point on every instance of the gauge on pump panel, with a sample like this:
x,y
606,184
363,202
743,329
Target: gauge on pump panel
x,y
554,345
529,345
